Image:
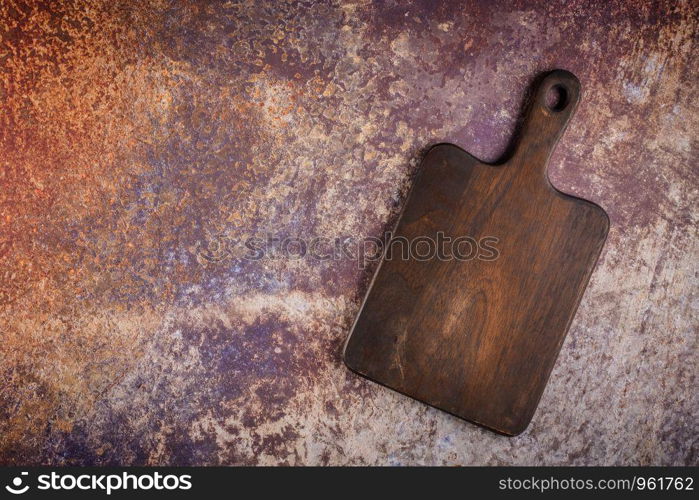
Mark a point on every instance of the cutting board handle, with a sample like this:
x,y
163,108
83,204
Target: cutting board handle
x,y
553,105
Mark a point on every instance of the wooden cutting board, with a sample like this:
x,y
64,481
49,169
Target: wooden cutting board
x,y
476,330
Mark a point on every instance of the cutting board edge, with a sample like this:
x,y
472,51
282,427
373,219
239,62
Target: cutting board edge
x,y
504,432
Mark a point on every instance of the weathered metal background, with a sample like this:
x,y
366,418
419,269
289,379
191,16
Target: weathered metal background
x,y
132,133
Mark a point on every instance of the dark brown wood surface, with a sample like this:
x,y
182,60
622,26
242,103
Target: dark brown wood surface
x,y
478,338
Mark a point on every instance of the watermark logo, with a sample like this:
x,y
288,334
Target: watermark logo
x,y
17,488
112,482
221,247
106,483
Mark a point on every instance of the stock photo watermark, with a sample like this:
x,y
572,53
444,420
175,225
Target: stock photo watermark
x,y
221,247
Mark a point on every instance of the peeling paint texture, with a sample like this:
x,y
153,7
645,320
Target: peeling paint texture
x,y
132,133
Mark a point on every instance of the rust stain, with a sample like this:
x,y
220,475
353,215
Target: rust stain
x,y
130,134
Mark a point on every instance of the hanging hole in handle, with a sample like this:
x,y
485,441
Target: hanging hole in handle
x,y
556,98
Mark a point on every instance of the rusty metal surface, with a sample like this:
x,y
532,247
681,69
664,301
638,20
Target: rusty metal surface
x,y
131,133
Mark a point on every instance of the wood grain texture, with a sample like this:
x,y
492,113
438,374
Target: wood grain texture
x,y
479,338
